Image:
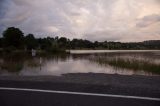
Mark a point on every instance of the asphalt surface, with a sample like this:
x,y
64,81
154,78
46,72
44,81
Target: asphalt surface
x,y
21,98
31,98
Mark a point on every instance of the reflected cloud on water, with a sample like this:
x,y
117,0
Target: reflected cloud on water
x,y
23,64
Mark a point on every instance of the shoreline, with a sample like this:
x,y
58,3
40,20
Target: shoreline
x,y
108,51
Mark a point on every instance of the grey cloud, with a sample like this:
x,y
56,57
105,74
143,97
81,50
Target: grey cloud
x,y
23,2
148,20
90,19
105,35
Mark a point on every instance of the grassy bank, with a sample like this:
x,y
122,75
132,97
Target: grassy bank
x,y
132,64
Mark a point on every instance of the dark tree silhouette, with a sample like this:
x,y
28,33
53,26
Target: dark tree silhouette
x,y
30,42
13,37
62,42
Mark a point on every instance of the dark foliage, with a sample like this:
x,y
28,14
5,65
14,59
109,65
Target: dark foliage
x,y
14,39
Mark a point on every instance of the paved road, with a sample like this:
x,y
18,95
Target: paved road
x,y
32,97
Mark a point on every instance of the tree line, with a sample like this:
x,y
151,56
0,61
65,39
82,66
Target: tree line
x,y
14,39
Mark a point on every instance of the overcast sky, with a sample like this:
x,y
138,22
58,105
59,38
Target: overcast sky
x,y
115,20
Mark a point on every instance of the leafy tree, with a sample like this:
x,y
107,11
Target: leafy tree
x,y
13,37
62,42
1,42
31,42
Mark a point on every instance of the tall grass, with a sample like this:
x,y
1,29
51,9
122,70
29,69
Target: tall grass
x,y
133,64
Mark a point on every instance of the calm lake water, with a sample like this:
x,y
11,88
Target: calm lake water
x,y
83,61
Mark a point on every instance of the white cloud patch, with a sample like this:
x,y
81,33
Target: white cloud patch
x,y
118,20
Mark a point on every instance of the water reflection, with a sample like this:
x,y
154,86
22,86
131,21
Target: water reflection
x,y
11,63
113,63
